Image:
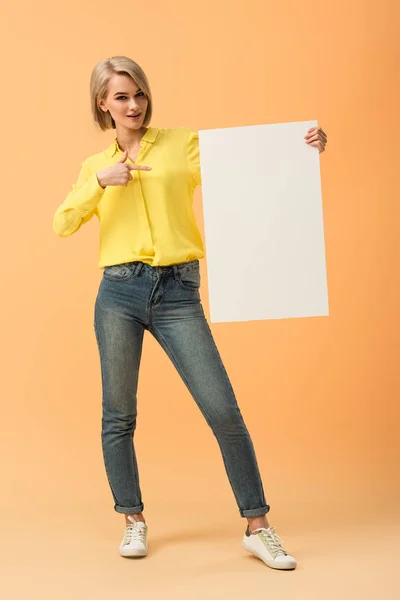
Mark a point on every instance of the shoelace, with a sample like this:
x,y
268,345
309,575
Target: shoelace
x,y
135,532
271,538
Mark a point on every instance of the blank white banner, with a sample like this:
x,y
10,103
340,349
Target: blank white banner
x,y
263,220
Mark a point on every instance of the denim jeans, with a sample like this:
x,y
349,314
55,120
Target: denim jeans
x,y
134,297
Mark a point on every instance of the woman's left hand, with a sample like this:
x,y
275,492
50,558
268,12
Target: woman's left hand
x,y
316,136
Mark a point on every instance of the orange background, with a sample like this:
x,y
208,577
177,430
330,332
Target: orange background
x,y
320,396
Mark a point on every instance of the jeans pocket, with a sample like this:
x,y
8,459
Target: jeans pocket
x,y
118,272
189,278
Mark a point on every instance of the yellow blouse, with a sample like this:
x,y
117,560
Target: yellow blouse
x,y
151,219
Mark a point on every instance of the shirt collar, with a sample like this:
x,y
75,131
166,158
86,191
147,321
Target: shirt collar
x,y
149,136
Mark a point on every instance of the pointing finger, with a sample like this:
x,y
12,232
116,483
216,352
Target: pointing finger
x,y
139,167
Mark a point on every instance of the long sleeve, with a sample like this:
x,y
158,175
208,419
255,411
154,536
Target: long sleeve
x,y
80,203
193,154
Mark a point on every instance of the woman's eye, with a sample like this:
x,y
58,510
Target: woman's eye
x,y
118,97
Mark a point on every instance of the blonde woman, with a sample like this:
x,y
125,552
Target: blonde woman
x,y
141,189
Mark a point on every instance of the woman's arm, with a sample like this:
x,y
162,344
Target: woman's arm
x,y
80,204
193,154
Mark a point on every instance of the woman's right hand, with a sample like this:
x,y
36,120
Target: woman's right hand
x,y
119,173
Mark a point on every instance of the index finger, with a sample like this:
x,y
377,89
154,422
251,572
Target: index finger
x,y
139,167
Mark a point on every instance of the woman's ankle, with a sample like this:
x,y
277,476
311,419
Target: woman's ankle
x,y
136,517
255,522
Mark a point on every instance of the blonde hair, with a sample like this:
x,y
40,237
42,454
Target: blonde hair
x,y
99,79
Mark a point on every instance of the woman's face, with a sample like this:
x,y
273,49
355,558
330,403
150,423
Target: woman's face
x,y
125,98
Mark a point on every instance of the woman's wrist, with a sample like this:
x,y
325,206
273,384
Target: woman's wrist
x,y
99,179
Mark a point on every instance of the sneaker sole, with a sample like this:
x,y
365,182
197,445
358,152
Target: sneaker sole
x,y
132,554
266,561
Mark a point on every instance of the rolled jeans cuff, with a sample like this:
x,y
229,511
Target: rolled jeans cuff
x,y
255,512
129,510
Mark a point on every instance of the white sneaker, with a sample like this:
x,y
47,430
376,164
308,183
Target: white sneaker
x,y
134,542
265,544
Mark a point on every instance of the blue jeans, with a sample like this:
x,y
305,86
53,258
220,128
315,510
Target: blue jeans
x,y
134,297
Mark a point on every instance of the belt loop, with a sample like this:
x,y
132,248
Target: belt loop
x,y
175,268
138,268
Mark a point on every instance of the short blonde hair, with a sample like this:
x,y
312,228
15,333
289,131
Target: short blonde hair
x,y
99,79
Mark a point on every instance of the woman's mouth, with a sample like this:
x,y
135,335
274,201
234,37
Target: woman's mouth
x,y
134,116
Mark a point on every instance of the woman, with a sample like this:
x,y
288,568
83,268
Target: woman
x,y
141,189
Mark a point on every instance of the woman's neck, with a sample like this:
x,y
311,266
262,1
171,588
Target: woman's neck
x,y
130,140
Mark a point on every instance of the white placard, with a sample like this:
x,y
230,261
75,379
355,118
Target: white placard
x,y
264,233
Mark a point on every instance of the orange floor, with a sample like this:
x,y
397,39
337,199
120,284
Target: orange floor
x,y
72,552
